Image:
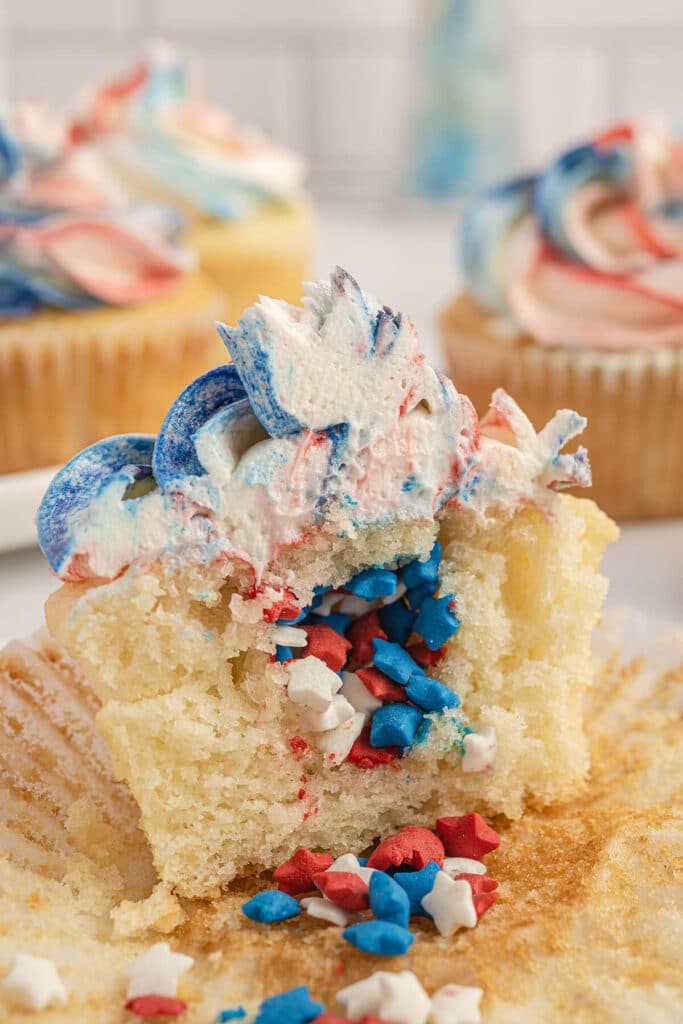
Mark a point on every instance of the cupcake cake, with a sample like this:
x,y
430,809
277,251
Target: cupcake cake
x,y
315,615
241,194
574,297
103,317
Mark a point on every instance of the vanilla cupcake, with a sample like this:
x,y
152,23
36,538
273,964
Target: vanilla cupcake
x,y
312,613
103,317
574,297
242,194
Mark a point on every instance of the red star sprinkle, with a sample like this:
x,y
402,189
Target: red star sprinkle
x,y
483,891
381,686
296,874
361,633
364,755
328,645
344,888
424,657
156,1006
467,836
413,846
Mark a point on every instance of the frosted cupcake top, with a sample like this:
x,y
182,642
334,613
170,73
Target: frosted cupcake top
x,y
329,417
160,137
68,240
589,252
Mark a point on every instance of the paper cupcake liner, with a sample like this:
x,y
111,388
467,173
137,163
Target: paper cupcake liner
x,y
270,254
69,379
633,402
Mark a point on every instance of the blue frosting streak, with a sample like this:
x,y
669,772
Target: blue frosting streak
x,y
80,481
565,176
486,221
174,452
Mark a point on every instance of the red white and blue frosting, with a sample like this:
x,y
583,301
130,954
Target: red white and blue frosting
x,y
589,251
68,237
157,133
329,417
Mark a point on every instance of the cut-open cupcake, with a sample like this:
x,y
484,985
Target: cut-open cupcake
x,y
325,601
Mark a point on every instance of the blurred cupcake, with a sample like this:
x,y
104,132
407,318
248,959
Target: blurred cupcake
x,y
242,195
574,298
103,318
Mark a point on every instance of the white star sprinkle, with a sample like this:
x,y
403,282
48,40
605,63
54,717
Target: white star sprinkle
x,y
456,1004
34,983
480,751
398,997
450,904
156,972
326,910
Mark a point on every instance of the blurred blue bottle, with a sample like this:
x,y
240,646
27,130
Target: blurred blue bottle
x,y
460,137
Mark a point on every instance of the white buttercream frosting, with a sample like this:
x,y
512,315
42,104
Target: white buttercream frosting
x,y
334,420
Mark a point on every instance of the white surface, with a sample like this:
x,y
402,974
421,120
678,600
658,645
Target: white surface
x,y
407,263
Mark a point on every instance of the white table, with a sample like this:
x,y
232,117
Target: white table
x,y
407,261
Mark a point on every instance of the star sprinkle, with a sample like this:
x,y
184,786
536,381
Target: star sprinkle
x,y
456,1004
480,751
156,1006
467,835
296,874
450,904
399,998
325,910
156,972
34,983
412,847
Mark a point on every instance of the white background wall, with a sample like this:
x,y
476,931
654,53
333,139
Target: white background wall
x,y
334,77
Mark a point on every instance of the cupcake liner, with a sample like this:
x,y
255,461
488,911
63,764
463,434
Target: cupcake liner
x,y
70,378
633,402
270,253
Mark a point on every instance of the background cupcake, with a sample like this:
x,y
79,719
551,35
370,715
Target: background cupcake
x,y
103,318
575,298
241,194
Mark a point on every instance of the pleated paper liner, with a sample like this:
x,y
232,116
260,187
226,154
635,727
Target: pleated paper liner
x,y
633,402
269,253
68,379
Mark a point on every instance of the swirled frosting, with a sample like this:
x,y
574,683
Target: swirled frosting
x,y
589,252
158,134
67,238
329,417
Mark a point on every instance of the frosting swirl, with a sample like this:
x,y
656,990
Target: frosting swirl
x,y
157,134
255,455
67,238
589,252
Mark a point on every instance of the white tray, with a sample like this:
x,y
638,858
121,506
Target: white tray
x,y
20,496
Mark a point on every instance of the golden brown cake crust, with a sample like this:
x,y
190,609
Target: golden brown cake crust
x,y
632,401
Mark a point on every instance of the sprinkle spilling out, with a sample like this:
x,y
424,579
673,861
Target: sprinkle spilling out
x,y
381,998
359,657
156,1006
416,872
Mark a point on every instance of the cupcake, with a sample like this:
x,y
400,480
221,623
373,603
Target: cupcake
x,y
242,195
103,317
313,614
574,297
